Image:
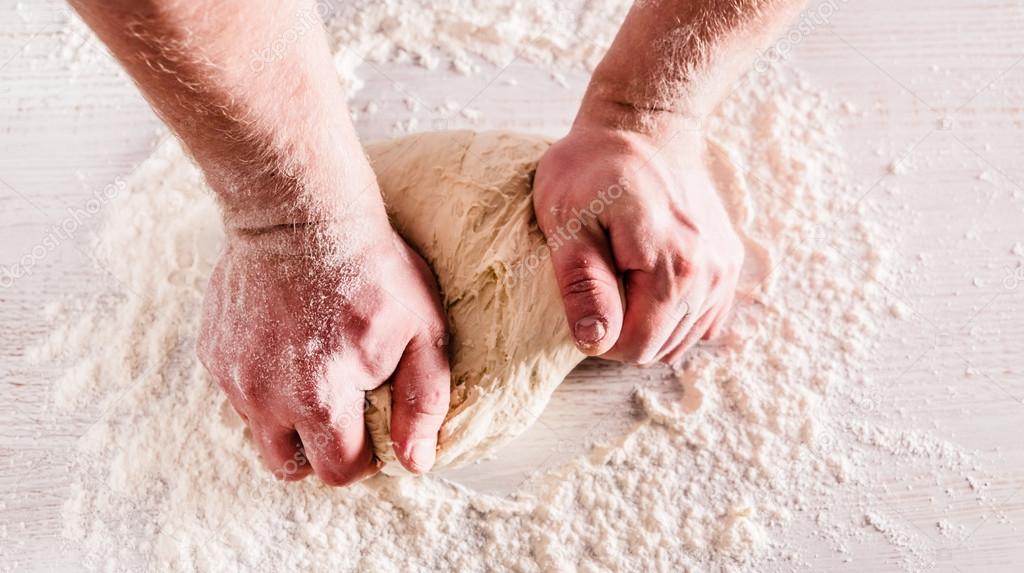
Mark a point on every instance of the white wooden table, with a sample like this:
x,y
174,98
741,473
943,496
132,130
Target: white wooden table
x,y
938,82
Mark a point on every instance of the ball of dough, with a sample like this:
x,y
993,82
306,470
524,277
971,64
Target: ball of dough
x,y
463,200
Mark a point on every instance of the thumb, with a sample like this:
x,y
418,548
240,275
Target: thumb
x,y
421,388
590,290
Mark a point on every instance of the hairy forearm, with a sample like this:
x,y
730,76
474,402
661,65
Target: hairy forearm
x,y
678,57
271,133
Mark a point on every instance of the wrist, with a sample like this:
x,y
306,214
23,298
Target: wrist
x,y
319,180
604,109
333,241
332,212
253,205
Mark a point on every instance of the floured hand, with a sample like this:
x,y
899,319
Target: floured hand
x,y
617,203
296,334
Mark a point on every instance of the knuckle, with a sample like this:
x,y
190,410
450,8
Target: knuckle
x,y
357,322
431,400
716,275
645,255
586,286
581,282
680,265
378,360
432,338
716,279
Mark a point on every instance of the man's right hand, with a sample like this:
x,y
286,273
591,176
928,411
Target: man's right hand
x,y
296,339
640,206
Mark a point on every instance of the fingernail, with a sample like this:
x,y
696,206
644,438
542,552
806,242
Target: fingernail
x,y
421,454
590,330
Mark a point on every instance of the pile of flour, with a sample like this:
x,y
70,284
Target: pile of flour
x,y
776,422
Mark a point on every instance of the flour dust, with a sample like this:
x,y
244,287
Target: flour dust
x,y
775,423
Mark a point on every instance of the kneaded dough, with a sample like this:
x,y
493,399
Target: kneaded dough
x,y
463,200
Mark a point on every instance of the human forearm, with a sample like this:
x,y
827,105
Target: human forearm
x,y
655,270
676,58
271,134
249,87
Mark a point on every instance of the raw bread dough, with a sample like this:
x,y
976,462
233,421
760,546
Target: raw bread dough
x,y
463,201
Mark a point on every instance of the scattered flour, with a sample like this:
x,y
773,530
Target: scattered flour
x,y
574,33
776,421
898,536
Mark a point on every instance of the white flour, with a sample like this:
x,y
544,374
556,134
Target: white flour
x,y
775,423
458,33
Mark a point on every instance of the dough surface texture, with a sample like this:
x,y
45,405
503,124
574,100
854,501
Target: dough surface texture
x,y
463,200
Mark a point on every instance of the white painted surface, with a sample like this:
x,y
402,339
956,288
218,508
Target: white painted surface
x,y
940,82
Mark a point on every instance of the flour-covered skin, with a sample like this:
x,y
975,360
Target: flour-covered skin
x,y
667,238
666,230
337,328
772,436
274,139
315,300
767,447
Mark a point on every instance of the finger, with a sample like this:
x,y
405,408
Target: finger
x,y
589,287
280,450
421,389
653,311
686,326
718,324
693,334
335,457
336,441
